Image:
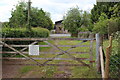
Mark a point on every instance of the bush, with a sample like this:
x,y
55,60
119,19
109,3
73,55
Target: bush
x,y
22,32
8,32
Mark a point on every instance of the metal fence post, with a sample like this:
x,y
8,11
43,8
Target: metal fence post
x,y
98,66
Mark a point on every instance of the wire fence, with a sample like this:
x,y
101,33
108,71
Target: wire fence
x,y
110,64
115,58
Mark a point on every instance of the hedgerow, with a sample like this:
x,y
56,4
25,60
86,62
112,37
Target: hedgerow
x,y
22,32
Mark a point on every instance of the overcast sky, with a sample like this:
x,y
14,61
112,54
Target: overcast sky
x,y
57,8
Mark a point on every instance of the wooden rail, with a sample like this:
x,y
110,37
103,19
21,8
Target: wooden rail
x,y
35,58
10,52
50,46
22,64
42,39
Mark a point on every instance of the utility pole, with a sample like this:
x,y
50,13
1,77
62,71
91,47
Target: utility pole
x,y
29,10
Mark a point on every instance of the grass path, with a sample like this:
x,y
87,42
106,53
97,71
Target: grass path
x,y
59,72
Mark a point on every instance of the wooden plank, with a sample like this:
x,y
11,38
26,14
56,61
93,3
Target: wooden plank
x,y
48,64
42,39
44,58
45,52
28,45
102,61
50,46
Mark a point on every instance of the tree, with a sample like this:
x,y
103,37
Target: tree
x,y
18,18
101,26
38,17
102,7
73,21
41,18
86,22
113,25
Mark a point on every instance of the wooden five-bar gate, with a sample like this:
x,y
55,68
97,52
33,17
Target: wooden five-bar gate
x,y
22,52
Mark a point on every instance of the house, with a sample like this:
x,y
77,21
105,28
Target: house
x,y
59,28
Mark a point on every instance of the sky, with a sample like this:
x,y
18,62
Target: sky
x,y
57,8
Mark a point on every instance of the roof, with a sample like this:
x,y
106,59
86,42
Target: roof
x,y
58,22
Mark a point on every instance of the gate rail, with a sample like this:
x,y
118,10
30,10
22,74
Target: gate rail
x,y
21,52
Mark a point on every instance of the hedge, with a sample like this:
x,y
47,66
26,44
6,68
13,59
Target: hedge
x,y
23,33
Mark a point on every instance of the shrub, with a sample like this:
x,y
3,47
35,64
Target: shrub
x,y
22,32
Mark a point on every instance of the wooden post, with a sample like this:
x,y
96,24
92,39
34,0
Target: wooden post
x,y
91,49
108,51
102,61
98,52
29,7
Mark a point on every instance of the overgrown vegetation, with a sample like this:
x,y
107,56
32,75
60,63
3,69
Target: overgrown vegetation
x,y
24,33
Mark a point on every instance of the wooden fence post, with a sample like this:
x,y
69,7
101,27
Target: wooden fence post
x,y
108,51
98,66
102,61
91,49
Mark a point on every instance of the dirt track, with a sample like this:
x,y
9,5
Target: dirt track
x,y
10,71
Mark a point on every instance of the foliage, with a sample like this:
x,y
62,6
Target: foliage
x,y
73,20
113,25
76,20
106,17
83,29
19,15
101,26
102,7
86,22
8,32
86,19
22,32
115,9
41,18
38,17
5,24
